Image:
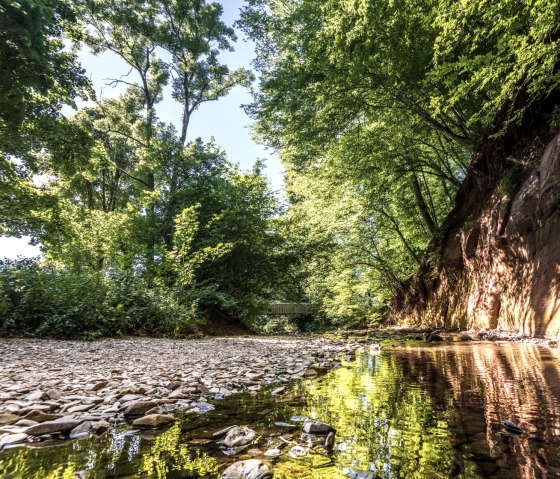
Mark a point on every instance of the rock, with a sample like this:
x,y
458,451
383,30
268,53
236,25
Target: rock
x,y
329,441
222,432
278,391
37,395
178,394
100,385
465,337
80,408
130,397
239,436
40,416
298,451
299,419
54,394
249,469
513,428
433,336
64,424
552,344
7,419
80,430
154,410
202,407
358,473
272,452
99,427
11,439
254,376
284,424
153,421
26,423
139,408
174,385
310,373
318,428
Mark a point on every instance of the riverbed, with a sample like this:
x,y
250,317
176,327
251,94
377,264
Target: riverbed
x,y
409,410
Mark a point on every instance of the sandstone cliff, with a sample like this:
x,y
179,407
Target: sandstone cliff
x,y
498,263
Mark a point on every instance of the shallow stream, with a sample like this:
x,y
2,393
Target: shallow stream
x,y
410,411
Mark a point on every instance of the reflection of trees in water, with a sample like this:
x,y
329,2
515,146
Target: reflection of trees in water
x,y
425,412
115,454
487,384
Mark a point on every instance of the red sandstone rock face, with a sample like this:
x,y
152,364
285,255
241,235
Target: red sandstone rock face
x,y
502,269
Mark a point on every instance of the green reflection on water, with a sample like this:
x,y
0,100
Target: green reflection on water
x,y
416,412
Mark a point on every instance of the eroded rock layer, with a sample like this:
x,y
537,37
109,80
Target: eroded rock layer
x,y
499,267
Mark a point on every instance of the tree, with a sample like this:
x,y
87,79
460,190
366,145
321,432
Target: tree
x,y
378,105
37,77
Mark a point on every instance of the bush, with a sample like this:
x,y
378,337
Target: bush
x,y
41,301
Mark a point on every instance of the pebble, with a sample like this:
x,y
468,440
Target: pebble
x,y
239,436
152,374
63,424
11,439
318,428
139,408
153,421
249,469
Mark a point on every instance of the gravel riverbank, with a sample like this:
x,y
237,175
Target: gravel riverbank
x,y
49,388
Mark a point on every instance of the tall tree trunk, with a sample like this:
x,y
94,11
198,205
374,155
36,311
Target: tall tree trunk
x,y
422,206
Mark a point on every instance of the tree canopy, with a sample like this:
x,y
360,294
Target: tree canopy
x,y
374,107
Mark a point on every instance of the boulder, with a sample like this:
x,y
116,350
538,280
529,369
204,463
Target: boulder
x,y
239,436
174,385
26,423
275,452
178,393
153,421
249,469
100,385
63,424
139,408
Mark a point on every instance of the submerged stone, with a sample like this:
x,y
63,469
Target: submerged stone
x,y
248,469
239,436
358,473
317,428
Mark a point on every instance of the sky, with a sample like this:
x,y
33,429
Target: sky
x,y
224,120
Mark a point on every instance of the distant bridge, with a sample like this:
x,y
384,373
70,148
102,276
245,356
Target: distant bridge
x,y
277,309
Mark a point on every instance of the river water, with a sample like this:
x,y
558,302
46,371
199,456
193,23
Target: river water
x,y
410,411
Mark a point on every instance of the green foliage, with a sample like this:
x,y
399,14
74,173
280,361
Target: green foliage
x,y
161,227
375,108
42,301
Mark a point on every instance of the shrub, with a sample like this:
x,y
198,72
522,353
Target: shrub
x,y
41,301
